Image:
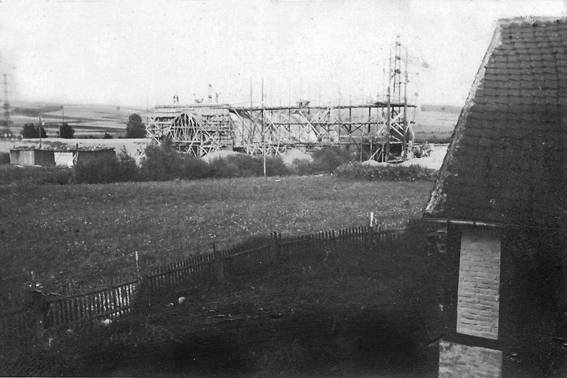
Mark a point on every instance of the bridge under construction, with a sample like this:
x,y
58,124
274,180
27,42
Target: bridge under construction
x,y
377,131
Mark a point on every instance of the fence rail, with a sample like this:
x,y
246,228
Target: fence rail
x,y
121,299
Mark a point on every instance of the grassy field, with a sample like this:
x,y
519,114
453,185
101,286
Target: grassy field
x,y
435,125
73,234
358,312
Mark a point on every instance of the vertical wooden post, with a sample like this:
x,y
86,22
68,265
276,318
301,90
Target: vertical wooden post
x,y
371,229
218,265
274,247
138,273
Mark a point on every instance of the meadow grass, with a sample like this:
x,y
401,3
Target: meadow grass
x,y
74,234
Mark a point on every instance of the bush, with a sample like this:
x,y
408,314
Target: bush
x,y
126,168
240,165
275,166
330,158
162,162
358,171
224,168
246,165
4,158
194,168
107,170
302,167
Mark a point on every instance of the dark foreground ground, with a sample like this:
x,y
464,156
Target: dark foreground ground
x,y
353,311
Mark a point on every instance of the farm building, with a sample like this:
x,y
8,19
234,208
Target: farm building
x,y
32,156
58,156
502,193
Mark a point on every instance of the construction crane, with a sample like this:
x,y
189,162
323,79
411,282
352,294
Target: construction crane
x,y
6,130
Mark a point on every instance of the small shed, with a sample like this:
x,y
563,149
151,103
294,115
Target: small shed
x,y
502,192
32,156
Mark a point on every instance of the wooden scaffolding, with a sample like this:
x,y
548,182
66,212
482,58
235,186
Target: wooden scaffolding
x,y
371,129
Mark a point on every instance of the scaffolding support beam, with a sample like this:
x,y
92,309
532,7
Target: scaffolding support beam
x,y
202,129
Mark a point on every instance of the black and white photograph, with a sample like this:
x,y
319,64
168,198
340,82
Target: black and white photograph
x,y
283,188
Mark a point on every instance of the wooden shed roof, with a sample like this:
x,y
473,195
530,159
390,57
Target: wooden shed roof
x,y
506,162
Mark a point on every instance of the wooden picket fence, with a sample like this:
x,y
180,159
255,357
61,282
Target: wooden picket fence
x,y
121,299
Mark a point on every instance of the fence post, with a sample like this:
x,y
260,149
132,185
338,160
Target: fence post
x,y
371,230
218,265
274,247
38,307
138,271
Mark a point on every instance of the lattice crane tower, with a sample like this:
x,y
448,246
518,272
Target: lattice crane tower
x,y
6,131
398,122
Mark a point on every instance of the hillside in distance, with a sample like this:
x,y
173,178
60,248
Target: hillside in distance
x,y
86,119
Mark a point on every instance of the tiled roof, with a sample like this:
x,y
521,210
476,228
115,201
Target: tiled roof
x,y
507,159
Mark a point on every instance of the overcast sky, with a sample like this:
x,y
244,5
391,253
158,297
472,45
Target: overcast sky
x,y
144,52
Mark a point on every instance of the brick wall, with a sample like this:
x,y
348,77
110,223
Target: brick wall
x,y
479,283
462,361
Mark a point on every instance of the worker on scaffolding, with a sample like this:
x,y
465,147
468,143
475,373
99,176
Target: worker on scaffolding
x,y
409,136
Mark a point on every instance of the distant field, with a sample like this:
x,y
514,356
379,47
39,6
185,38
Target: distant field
x,y
434,125
71,233
86,119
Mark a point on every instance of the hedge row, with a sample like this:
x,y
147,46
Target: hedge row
x,y
163,163
358,171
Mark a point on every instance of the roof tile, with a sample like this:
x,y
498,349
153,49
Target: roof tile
x,y
551,76
562,100
526,63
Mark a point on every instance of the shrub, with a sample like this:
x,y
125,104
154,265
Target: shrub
x,y
161,163
304,167
107,170
248,166
328,159
240,165
224,168
275,166
96,171
194,168
4,158
126,168
359,171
